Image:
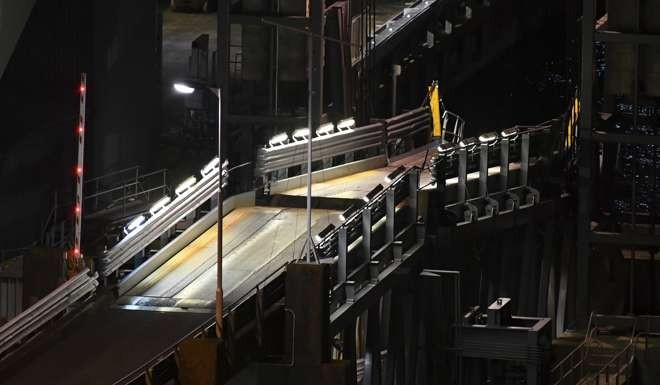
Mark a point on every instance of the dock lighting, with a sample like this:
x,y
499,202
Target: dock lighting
x,y
183,88
347,213
278,139
134,224
300,134
510,133
225,173
447,149
394,174
346,124
372,193
469,144
489,138
162,202
326,129
324,233
185,185
210,167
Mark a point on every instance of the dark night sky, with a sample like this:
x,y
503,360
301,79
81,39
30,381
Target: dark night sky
x,y
39,110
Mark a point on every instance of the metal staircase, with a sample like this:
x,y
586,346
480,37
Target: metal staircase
x,y
605,357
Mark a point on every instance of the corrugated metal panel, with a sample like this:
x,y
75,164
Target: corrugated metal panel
x,y
11,298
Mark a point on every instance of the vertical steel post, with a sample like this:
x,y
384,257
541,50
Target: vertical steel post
x,y
218,292
366,234
524,160
462,175
342,252
80,166
390,207
413,186
483,170
504,164
312,131
584,163
372,359
349,353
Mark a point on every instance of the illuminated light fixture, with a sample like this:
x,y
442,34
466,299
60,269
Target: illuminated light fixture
x,y
210,167
185,185
325,129
346,124
134,224
447,149
79,170
278,139
510,133
76,251
300,134
162,202
225,173
469,144
489,138
347,213
183,88
81,130
77,209
324,233
82,89
371,194
394,174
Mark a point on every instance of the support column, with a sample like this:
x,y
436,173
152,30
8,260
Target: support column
x,y
316,25
462,175
372,370
584,163
366,235
504,164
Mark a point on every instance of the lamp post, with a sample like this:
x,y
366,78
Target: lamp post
x,y
188,88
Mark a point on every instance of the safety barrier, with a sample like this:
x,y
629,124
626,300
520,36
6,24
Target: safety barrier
x,y
20,328
284,152
164,214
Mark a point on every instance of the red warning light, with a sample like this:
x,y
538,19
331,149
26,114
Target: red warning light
x,y
82,89
81,130
76,251
79,170
77,209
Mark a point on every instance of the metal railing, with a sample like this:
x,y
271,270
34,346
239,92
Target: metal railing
x,y
290,152
20,328
403,19
120,188
578,366
161,220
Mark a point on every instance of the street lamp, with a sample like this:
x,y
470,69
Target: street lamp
x,y
188,88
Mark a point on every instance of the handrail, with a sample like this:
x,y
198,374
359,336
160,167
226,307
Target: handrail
x,y
113,173
377,134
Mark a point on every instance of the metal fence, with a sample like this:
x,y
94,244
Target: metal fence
x,y
121,188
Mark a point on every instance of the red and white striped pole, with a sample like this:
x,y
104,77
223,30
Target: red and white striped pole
x,y
77,253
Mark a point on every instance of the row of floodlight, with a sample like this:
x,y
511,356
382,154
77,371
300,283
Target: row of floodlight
x,y
184,188
490,138
390,179
302,134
